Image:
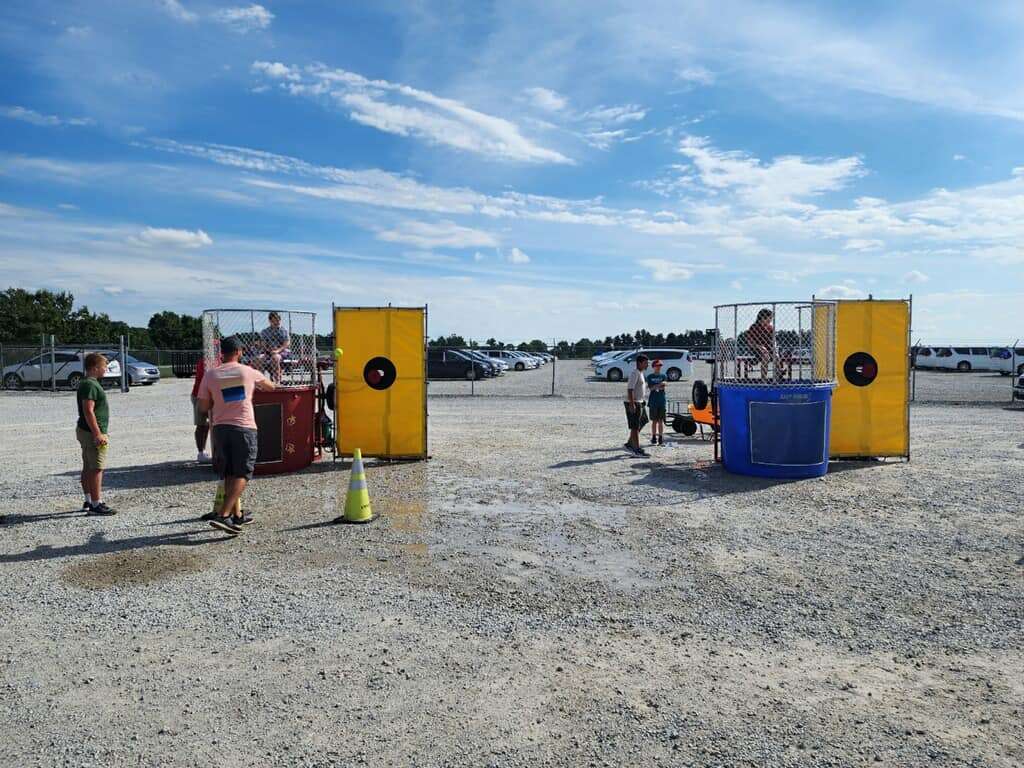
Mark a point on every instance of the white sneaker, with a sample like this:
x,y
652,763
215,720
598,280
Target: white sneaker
x,y
204,458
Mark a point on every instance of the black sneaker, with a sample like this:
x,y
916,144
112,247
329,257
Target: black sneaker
x,y
101,510
640,452
86,506
242,519
226,524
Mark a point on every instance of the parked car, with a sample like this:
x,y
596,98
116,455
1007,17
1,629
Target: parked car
x,y
518,360
1018,389
453,364
497,367
954,358
139,371
1005,359
676,364
67,365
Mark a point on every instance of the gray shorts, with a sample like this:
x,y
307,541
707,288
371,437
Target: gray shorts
x,y
234,451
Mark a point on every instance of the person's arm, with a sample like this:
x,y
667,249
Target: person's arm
x,y
89,412
265,385
632,400
204,397
205,404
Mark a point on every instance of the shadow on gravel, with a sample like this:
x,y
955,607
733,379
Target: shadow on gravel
x,y
710,479
98,544
19,519
161,475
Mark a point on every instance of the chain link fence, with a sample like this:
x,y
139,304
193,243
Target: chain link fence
x,y
280,343
51,366
967,374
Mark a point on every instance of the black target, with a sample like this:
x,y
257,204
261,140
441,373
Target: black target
x,y
379,373
860,369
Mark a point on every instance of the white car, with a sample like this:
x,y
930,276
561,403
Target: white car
x,y
607,357
67,367
517,360
1006,359
676,364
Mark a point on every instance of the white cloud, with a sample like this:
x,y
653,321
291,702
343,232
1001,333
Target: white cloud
x,y
842,291
959,157
443,234
67,206
516,256
478,257
778,184
276,70
177,11
736,285
625,113
665,271
697,75
244,19
406,111
861,244
35,118
176,238
113,290
915,276
546,99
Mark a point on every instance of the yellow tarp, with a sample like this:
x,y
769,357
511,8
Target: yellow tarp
x,y
871,420
389,422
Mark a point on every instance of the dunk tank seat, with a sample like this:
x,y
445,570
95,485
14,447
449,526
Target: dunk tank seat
x,y
285,417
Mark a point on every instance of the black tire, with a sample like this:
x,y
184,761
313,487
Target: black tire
x,y
674,374
699,395
614,375
13,381
74,379
520,366
471,374
329,396
963,365
687,425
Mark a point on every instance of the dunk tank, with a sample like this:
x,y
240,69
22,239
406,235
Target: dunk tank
x,y
282,345
772,387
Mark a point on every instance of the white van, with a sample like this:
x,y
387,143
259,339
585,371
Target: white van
x,y
962,359
1005,359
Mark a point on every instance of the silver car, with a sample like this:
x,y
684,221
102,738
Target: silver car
x,y
139,371
67,366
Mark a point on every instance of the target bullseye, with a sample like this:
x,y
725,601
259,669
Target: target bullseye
x,y
860,369
379,373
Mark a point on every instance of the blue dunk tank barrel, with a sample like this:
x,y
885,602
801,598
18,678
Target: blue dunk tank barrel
x,y
775,374
780,432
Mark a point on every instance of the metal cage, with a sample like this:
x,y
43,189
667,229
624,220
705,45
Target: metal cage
x,y
284,351
775,344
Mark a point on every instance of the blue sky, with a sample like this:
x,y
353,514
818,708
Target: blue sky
x,y
528,169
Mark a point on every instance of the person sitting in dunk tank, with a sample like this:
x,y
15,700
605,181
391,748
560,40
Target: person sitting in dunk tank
x,y
275,340
760,341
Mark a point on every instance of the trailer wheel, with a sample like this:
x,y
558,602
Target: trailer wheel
x,y
688,426
699,395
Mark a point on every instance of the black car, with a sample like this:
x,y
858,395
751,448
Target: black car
x,y
490,366
453,364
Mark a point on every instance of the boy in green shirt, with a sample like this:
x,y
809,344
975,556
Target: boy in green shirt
x,y
91,431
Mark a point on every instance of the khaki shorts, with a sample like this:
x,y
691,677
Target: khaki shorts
x,y
199,418
94,457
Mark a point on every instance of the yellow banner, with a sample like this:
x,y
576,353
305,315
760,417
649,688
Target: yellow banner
x,y
380,382
869,407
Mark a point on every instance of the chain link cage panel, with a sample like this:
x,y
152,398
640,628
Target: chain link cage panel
x,y
781,343
279,342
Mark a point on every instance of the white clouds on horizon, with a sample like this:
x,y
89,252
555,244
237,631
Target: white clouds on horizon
x,y
244,18
442,234
516,256
178,12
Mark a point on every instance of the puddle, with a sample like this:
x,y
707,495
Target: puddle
x,y
133,568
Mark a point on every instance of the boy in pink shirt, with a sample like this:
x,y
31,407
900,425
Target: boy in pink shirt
x,y
226,391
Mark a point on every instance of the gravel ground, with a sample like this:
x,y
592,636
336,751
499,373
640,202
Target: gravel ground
x,y
529,597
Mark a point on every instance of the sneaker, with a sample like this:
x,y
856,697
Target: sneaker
x,y
204,458
242,519
101,509
86,506
226,524
654,441
640,452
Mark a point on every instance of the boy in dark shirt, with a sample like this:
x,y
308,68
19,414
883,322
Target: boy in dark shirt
x,y
91,431
656,403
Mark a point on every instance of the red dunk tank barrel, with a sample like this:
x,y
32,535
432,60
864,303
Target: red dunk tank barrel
x,y
285,418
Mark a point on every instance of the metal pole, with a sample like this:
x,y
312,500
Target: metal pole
x,y
53,365
124,367
42,352
554,364
2,366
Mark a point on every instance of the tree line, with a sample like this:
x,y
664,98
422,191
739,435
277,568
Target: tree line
x,y
26,317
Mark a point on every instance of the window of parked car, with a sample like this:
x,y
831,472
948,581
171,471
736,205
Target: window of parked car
x,y
924,352
962,350
979,350
943,352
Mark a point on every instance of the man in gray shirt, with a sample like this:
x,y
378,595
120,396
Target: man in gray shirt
x,y
275,341
636,396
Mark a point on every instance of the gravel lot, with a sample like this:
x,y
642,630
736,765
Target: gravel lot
x,y
529,597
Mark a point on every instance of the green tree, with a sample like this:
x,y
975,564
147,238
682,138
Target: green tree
x,y
169,330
